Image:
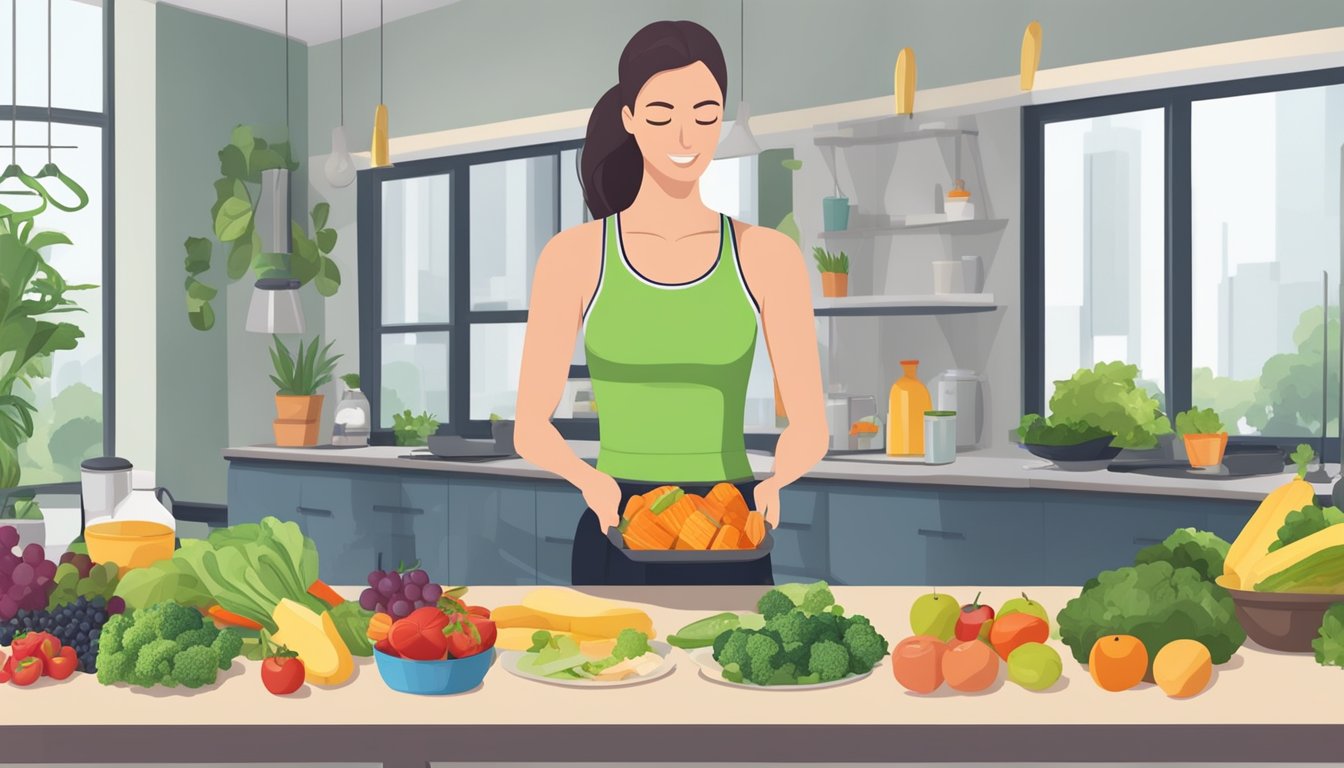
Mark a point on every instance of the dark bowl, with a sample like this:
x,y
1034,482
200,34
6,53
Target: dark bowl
x,y
1282,621
1093,450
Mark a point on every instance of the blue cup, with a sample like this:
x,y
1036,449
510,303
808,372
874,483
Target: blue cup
x,y
835,213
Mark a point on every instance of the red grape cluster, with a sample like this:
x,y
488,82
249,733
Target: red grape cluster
x,y
25,581
397,594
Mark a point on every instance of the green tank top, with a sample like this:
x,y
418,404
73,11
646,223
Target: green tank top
x,y
669,366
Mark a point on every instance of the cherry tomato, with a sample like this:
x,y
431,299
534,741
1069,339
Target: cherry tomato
x,y
478,610
429,617
282,675
7,670
385,646
27,671
413,641
63,665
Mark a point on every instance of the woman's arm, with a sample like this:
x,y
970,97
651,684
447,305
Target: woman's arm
x,y
777,276
565,278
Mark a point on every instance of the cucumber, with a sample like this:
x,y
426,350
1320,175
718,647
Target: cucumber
x,y
701,634
1321,572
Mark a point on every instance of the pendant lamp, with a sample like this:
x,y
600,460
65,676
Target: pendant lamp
x,y
1031,55
904,90
740,142
378,150
340,167
274,307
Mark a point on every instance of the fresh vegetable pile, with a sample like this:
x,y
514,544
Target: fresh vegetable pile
x,y
165,644
35,655
1096,402
449,630
559,657
76,625
803,638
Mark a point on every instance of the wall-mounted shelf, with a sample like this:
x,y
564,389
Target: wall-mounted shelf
x,y
954,226
892,138
940,304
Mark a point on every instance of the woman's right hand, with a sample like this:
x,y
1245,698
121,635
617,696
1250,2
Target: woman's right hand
x,y
603,496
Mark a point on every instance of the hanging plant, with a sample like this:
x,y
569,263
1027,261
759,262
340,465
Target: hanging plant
x,y
241,163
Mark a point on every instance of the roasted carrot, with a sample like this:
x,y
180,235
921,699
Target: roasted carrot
x,y
325,593
228,617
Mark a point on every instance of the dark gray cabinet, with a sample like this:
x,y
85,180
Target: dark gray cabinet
x,y
559,507
492,531
801,552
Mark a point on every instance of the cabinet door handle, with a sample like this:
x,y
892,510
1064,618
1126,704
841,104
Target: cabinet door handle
x,y
941,534
557,540
314,511
1146,540
399,510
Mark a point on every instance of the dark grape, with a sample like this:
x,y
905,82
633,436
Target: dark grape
x,y
390,586
400,609
418,577
32,554
368,600
116,605
431,593
9,537
46,569
411,592
66,557
374,578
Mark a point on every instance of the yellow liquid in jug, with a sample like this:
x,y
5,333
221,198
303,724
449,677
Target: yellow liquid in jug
x,y
905,413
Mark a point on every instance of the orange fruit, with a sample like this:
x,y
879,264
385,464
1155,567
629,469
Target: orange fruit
x,y
1182,668
1015,629
1118,662
917,663
970,666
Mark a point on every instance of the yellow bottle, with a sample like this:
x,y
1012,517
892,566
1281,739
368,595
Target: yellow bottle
x,y
905,413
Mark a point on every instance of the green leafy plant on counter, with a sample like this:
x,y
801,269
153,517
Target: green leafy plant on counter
x,y
165,644
830,262
1095,402
1198,421
410,429
233,217
351,380
304,372
1189,548
1301,523
1329,645
27,509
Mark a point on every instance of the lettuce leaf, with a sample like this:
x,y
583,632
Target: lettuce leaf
x,y
1329,646
1098,401
1301,523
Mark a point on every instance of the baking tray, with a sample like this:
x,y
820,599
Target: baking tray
x,y
459,448
692,557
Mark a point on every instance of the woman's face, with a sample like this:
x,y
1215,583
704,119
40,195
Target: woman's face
x,y
676,121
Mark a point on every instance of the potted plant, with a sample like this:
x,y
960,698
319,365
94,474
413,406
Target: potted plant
x,y
501,429
297,377
410,429
834,270
1095,414
1204,436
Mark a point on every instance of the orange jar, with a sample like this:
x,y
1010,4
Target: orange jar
x,y
905,413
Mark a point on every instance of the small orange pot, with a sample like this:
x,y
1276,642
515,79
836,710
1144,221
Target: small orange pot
x,y
1205,450
834,284
298,407
295,434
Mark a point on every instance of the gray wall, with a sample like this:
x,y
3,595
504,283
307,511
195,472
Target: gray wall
x,y
212,386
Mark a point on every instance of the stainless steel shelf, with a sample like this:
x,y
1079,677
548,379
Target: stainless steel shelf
x,y
872,306
892,138
957,226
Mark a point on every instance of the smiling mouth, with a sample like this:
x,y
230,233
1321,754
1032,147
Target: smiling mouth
x,y
682,159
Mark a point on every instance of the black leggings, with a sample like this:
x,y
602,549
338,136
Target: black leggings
x,y
598,561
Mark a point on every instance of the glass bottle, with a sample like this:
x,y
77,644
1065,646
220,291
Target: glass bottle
x,y
352,420
905,413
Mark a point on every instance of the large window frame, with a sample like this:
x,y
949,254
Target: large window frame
x,y
105,122
461,317
1178,334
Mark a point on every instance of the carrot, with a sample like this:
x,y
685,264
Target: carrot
x,y
379,626
324,593
228,617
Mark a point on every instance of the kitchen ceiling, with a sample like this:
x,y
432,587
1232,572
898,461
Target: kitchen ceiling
x,y
310,21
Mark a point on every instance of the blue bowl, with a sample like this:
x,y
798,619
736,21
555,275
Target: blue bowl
x,y
433,678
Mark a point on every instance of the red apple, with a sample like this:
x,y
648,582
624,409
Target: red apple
x,y
918,663
974,620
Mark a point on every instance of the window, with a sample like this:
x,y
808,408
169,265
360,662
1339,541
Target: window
x,y
1194,232
72,393
448,248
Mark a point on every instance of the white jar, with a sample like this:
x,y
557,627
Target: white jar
x,y
962,390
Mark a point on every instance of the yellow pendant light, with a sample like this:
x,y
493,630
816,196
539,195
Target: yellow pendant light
x,y
905,82
378,149
1031,54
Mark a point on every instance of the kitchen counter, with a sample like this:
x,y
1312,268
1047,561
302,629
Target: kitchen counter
x,y
1261,706
974,469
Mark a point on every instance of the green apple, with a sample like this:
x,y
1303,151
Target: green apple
x,y
1025,605
1034,666
935,615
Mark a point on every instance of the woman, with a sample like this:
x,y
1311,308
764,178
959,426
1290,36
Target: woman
x,y
669,295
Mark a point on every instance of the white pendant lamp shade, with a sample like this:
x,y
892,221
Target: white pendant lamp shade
x,y
275,307
739,142
340,167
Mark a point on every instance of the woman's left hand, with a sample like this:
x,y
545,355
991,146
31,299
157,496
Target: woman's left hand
x,y
766,495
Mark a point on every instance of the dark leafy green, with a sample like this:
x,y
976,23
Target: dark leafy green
x,y
352,624
1329,646
1188,548
1301,523
1098,401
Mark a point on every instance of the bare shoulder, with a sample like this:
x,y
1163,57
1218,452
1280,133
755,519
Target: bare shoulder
x,y
572,258
765,251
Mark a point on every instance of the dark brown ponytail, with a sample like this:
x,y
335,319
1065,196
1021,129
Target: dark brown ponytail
x,y
611,166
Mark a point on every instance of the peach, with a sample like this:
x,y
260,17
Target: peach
x,y
918,663
970,666
1182,668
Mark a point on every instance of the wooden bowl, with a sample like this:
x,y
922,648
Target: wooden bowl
x,y
1282,621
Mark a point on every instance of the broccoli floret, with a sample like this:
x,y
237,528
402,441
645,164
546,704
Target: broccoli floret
x,y
774,603
721,641
732,673
792,627
631,644
829,661
174,619
799,655
734,648
113,667
762,656
866,647
829,627
109,639
817,598
785,675
811,679
202,636
227,644
154,662
137,636
196,666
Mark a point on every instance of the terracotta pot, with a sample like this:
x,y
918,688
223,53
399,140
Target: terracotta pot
x,y
295,434
834,284
1205,450
298,407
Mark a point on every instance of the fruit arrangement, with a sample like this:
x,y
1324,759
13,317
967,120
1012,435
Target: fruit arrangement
x,y
566,612
76,625
398,593
669,518
77,576
35,655
966,646
25,580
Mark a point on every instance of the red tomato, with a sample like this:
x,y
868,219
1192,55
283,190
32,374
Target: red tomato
x,y
7,671
27,671
385,646
488,634
429,617
282,675
25,645
415,642
477,610
48,648
63,665
461,644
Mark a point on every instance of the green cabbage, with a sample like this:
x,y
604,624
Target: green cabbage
x,y
1188,548
1098,401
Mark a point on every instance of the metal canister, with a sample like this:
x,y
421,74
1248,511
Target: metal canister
x,y
940,437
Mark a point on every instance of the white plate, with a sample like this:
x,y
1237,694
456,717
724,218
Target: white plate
x,y
510,661
710,670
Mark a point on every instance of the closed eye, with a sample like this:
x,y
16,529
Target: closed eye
x,y
660,122
707,122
